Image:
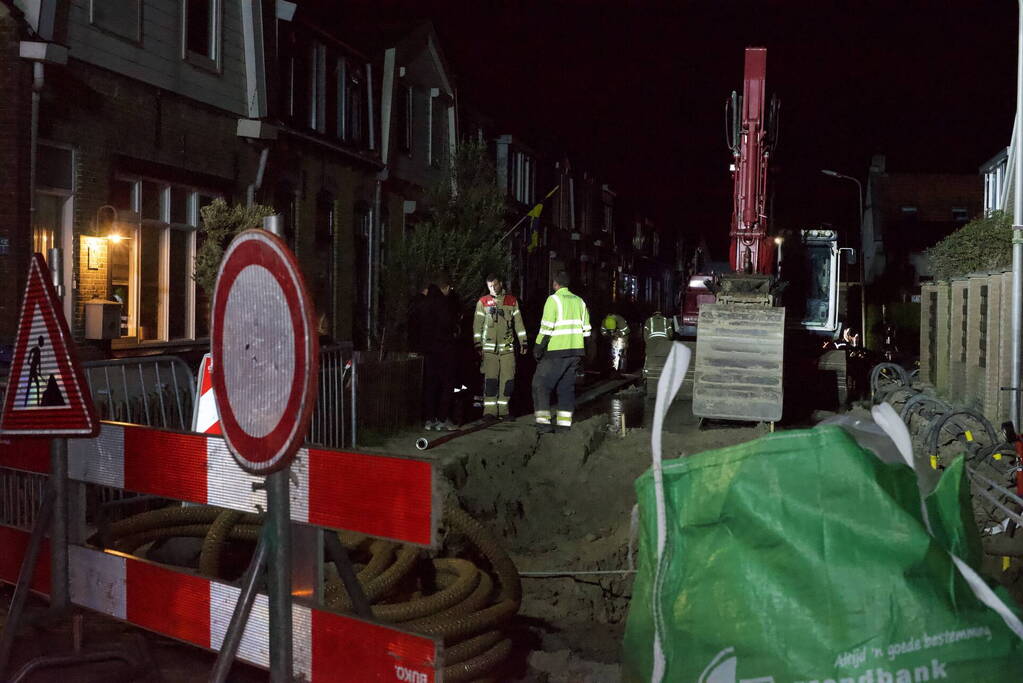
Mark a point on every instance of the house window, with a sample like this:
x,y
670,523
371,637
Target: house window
x,y
523,177
608,217
959,215
405,118
438,124
201,31
351,101
52,218
356,101
285,204
150,267
317,87
123,18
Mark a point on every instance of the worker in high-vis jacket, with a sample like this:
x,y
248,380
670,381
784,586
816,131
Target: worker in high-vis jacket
x,y
563,340
616,328
496,328
658,332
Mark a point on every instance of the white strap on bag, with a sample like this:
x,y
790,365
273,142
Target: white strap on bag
x,y
886,417
670,382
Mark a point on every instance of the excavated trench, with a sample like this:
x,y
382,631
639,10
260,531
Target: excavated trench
x,y
561,505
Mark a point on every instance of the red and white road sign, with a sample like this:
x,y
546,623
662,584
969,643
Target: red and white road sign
x,y
46,390
206,419
265,352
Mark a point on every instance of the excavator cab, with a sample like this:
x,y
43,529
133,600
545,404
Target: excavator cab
x,y
820,272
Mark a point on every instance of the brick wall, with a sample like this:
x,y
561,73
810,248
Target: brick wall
x,y
115,123
957,352
15,228
118,125
92,268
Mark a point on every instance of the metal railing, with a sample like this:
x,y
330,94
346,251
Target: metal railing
x,y
333,423
156,391
389,391
20,496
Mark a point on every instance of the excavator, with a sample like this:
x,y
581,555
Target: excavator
x,y
758,313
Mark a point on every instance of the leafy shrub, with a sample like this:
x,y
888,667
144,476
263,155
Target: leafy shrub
x,y
220,223
982,244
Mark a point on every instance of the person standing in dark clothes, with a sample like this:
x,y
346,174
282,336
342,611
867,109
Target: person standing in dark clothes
x,y
415,318
439,324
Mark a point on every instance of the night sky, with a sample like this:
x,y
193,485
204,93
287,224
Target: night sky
x,y
636,90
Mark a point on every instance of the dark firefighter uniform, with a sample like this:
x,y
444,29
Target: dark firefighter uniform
x,y
564,335
658,332
495,329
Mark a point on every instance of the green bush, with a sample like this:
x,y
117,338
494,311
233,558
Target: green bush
x,y
220,223
980,245
460,236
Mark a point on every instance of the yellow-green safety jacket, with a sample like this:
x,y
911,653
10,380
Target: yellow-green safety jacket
x,y
567,322
495,318
658,327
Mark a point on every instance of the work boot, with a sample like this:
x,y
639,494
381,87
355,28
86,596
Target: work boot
x,y
430,425
561,430
544,429
446,426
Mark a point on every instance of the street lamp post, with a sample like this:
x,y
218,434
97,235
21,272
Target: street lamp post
x,y
863,283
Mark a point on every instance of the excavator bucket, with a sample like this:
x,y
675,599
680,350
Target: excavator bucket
x,y
739,360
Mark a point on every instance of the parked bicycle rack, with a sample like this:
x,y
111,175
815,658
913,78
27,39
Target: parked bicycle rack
x,y
942,431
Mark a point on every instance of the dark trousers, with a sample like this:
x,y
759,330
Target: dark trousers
x,y
438,384
555,374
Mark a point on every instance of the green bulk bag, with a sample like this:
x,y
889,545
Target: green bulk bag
x,y
802,557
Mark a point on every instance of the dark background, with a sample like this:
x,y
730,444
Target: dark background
x,y
636,90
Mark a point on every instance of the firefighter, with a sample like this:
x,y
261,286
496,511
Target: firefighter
x,y
495,330
563,339
658,332
616,328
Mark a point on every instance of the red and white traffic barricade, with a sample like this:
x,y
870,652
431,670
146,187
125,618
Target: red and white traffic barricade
x,y
378,495
265,347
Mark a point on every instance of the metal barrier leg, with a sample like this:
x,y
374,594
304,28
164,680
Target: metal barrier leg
x,y
278,503
337,554
240,616
60,598
28,565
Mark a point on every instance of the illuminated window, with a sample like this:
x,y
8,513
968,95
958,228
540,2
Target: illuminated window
x,y
150,262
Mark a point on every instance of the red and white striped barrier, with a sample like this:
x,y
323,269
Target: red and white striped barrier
x,y
378,495
206,419
327,646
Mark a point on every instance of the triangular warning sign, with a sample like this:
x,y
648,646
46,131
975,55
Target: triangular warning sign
x,y
46,390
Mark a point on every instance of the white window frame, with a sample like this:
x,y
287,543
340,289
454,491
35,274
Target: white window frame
x,y
66,240
164,278
208,62
408,136
318,87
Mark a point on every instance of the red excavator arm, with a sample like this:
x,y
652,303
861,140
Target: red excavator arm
x,y
751,141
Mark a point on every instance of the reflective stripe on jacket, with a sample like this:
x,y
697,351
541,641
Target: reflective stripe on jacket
x,y
567,322
657,326
493,323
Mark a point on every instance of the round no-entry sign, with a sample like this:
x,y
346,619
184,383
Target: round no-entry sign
x,y
265,352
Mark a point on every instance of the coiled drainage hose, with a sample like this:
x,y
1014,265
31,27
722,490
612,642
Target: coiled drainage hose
x,y
464,611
